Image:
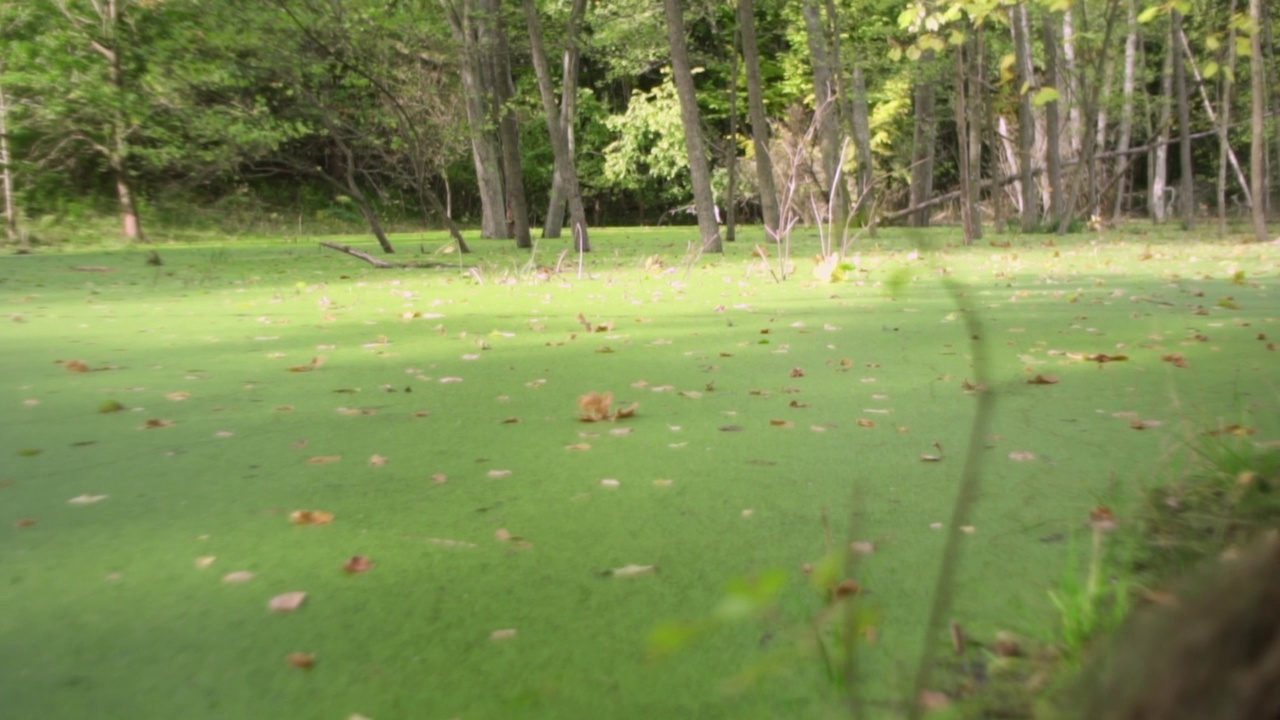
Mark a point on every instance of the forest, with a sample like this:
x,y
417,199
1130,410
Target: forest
x,y
1040,115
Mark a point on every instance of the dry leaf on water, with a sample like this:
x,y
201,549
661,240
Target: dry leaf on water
x,y
782,423
357,564
287,602
154,423
86,499
76,366
439,478
179,396
630,571
301,660
503,634
1237,430
24,523
238,577
205,561
499,473
316,363
376,460
578,446
310,517
1176,359
610,483
1022,456
323,459
863,422
1043,380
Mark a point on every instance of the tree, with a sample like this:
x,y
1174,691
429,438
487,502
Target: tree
x,y
566,168
503,88
690,118
1186,190
6,176
826,111
759,122
568,116
1257,118
468,22
1021,27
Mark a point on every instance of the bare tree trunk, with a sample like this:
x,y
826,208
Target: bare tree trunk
x,y
568,115
1053,123
731,147
1126,110
827,112
1257,151
565,163
1070,93
975,119
6,177
1224,102
508,129
759,124
1026,118
862,136
1208,106
699,171
922,152
477,95
1187,184
1160,154
962,140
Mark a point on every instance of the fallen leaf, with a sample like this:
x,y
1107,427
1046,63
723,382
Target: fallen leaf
x,y
357,564
302,661
439,478
499,473
110,406
1176,359
154,423
626,412
1144,424
510,421
376,460
179,396
863,422
205,561
76,366
24,523
1237,430
86,499
1043,380
863,547
323,459
310,517
618,432
968,529
316,363
1022,456
238,577
578,446
663,482
610,483
782,423
748,513
450,380
731,428
503,634
630,571
1102,517
287,602
797,372
595,406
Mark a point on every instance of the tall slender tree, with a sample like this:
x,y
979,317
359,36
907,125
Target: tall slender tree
x,y
691,120
565,165
759,122
568,116
1257,122
1186,185
1020,25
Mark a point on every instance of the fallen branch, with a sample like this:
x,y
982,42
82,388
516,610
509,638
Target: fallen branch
x,y
380,264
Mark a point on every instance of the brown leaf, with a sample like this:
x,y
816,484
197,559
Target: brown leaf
x,y
76,366
1102,517
323,459
310,517
595,406
376,460
630,571
357,564
86,499
238,577
782,423
287,602
799,405
1022,456
1237,430
863,422
316,363
24,523
499,473
797,372
179,396
510,421
1043,380
577,447
439,478
205,561
155,423
731,428
626,412
301,660
503,634
1176,359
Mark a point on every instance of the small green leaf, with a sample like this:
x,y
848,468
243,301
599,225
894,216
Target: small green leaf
x,y
110,406
1213,42
895,53
1244,47
1044,96
1210,69
1149,14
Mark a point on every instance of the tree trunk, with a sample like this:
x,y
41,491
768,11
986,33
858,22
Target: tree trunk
x,y
862,137
477,96
1053,123
922,152
1021,28
731,147
1257,151
565,164
1186,189
1126,108
962,140
1070,95
827,113
759,124
1160,154
568,116
699,171
976,118
6,177
1224,126
508,130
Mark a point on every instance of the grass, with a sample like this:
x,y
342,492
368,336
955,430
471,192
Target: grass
x,y
766,405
